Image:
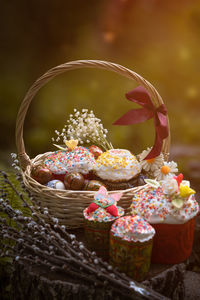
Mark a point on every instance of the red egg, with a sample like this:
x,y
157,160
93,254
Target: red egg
x,y
96,151
74,181
41,174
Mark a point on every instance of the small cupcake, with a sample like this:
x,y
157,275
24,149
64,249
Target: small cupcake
x,y
131,239
118,168
170,207
61,162
99,216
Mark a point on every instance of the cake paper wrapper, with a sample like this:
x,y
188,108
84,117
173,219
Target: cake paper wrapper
x,y
173,242
132,258
97,237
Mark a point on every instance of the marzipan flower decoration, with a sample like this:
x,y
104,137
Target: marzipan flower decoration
x,y
183,193
175,188
186,191
71,145
170,186
106,201
153,183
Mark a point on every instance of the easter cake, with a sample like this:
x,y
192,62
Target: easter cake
x,y
170,207
131,239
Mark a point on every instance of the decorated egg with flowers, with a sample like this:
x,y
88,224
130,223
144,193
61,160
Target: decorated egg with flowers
x,y
56,184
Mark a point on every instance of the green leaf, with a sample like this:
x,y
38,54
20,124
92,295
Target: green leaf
x,y
152,182
178,203
60,147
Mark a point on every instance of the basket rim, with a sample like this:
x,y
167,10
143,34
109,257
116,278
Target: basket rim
x,y
50,74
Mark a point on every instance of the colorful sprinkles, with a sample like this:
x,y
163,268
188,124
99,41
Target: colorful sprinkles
x,y
103,201
117,164
77,160
101,215
132,228
156,207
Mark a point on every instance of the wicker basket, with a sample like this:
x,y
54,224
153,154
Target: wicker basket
x,y
67,205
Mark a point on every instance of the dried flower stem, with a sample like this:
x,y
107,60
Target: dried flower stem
x,y
52,247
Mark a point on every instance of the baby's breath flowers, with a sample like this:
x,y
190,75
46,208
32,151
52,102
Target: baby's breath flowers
x,y
84,127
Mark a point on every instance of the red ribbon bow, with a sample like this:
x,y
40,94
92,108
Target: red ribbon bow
x,y
141,96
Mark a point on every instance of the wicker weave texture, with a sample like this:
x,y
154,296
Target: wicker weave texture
x,y
65,205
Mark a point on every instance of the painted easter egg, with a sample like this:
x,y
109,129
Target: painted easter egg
x,y
74,181
41,174
96,151
92,185
56,184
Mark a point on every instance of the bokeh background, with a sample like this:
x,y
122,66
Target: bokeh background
x,y
160,40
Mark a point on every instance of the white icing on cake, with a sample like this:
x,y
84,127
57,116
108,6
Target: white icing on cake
x,y
117,165
132,228
77,160
156,207
101,215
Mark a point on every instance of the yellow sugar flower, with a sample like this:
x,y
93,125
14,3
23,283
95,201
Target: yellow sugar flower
x,y
71,144
186,191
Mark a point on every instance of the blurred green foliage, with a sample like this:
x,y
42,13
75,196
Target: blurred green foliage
x,y
157,39
6,262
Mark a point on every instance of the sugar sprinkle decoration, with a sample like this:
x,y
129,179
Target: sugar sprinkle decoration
x,y
157,207
77,160
101,215
132,228
104,208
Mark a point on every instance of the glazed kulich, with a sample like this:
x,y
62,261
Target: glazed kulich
x,y
61,163
171,209
157,208
98,218
118,169
131,239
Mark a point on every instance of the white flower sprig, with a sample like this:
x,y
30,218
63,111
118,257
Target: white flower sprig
x,y
157,167
86,128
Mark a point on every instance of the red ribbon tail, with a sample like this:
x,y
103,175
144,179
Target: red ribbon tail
x,y
157,147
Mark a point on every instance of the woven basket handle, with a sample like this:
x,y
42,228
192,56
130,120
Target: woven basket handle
x,y
40,82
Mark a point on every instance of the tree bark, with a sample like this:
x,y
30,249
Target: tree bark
x,y
34,283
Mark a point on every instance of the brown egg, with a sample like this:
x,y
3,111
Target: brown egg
x,y
41,174
92,185
74,181
35,170
96,151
